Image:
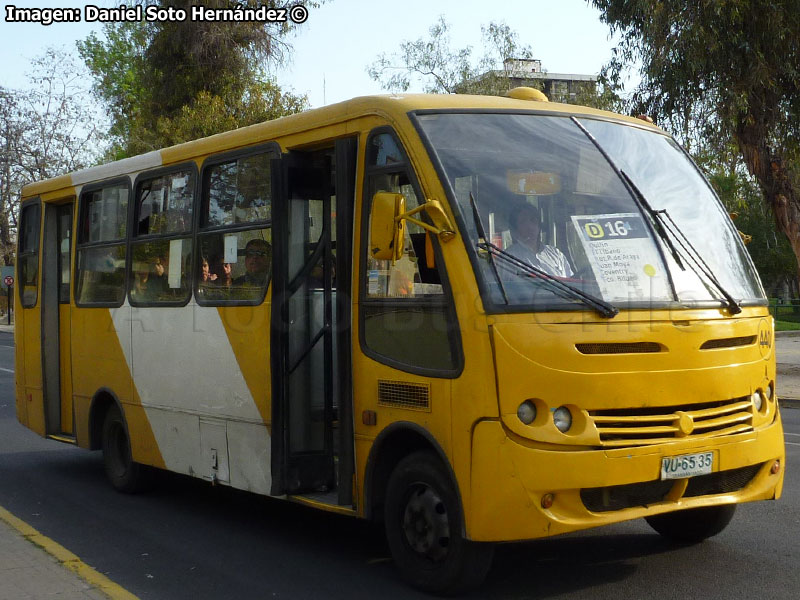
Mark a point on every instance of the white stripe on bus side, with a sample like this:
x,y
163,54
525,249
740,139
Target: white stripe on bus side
x,y
116,169
192,389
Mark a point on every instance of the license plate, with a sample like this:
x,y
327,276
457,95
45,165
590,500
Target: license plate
x,y
687,465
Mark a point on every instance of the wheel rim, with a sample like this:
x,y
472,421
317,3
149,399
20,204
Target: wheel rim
x,y
426,523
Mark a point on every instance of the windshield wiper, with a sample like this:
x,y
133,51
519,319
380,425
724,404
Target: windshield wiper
x,y
668,229
558,286
482,240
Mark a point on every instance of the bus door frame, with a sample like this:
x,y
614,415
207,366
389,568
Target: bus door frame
x,y
298,472
56,321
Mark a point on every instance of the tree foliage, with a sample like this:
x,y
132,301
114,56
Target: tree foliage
x,y
719,71
46,130
441,69
159,78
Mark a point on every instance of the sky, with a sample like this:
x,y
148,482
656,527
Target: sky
x,y
332,49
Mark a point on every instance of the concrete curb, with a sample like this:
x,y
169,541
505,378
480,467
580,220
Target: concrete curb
x,y
67,559
795,333
789,402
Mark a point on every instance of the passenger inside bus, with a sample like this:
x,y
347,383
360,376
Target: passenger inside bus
x,y
527,244
257,260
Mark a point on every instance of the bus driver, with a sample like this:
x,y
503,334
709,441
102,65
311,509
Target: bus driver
x,y
527,245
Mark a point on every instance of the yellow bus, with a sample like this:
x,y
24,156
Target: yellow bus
x,y
476,319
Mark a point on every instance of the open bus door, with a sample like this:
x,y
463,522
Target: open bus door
x,y
56,269
312,440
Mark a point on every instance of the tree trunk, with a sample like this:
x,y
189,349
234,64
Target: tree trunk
x,y
769,169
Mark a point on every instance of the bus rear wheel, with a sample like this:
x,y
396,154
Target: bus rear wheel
x,y
693,525
124,474
424,526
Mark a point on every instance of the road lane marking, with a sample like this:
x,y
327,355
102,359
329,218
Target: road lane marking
x,y
791,443
789,433
7,370
67,558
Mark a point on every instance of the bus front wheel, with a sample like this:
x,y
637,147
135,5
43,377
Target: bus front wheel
x,y
124,474
693,525
424,526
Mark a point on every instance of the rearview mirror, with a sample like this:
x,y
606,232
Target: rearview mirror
x,y
387,229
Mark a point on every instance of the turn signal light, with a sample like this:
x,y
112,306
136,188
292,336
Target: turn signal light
x,y
547,500
776,467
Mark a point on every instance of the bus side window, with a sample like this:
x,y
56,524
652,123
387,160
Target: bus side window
x,y
235,239
100,272
407,316
161,252
29,255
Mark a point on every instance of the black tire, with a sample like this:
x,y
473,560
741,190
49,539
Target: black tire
x,y
123,473
693,525
424,526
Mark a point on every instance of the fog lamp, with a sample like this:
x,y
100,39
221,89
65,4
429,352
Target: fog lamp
x,y
757,400
526,412
562,419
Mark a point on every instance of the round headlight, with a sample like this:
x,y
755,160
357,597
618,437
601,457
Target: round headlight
x,y
757,399
526,412
768,392
562,419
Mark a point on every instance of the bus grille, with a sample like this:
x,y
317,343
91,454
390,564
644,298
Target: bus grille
x,y
721,482
619,497
619,428
403,394
733,342
619,348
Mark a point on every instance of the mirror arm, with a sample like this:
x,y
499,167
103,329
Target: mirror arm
x,y
444,234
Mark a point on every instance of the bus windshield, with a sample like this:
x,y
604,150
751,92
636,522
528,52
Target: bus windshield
x,y
534,190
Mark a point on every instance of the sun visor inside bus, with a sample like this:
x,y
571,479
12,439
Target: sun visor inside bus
x,y
533,183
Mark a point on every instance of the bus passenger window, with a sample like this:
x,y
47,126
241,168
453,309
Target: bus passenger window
x,y
160,271
102,228
238,266
161,253
235,239
29,255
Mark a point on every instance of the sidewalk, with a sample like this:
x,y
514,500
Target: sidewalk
x,y
787,349
28,572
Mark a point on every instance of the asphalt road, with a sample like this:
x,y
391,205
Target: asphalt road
x,y
189,540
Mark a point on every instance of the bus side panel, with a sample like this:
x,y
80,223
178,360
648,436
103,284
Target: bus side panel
x,y
200,382
98,338
248,333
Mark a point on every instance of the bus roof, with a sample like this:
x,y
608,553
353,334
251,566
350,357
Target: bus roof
x,y
391,106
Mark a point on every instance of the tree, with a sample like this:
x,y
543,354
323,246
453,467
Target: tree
x,y
724,70
442,70
158,78
45,131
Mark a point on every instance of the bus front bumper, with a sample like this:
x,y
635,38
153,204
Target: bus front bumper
x,y
512,482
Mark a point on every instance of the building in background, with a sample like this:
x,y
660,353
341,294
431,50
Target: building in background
x,y
558,87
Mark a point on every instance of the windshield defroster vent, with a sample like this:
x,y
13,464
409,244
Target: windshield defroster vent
x,y
622,348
